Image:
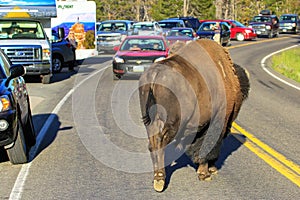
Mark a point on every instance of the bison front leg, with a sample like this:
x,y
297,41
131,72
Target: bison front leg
x,y
203,171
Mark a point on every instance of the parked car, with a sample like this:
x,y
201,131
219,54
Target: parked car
x,y
289,23
137,53
265,24
63,53
147,28
189,21
238,31
111,33
17,133
168,24
208,29
181,34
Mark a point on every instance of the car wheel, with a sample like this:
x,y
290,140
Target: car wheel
x,y
29,130
240,37
57,64
18,153
46,79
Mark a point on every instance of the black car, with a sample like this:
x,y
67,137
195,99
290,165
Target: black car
x,y
207,30
189,21
289,23
17,133
63,53
265,25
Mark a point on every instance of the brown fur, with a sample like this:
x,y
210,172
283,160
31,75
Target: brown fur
x,y
185,94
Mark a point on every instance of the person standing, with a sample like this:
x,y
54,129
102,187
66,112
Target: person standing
x,y
71,38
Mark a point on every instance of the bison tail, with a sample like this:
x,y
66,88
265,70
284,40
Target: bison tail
x,y
150,102
243,77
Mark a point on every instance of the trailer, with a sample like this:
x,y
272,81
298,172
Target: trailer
x,y
78,18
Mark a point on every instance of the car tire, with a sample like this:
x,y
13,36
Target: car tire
x,y
18,153
46,79
29,130
240,37
57,64
270,35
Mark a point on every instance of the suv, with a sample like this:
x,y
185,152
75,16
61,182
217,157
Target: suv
x,y
17,133
168,24
147,28
265,24
111,33
191,22
289,23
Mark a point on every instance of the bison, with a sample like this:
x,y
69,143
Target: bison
x,y
190,100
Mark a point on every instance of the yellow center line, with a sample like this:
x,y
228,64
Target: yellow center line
x,y
276,160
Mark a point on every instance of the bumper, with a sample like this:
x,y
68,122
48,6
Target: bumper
x,y
122,69
250,36
38,68
7,136
287,29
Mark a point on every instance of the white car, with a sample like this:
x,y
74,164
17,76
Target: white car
x,y
147,28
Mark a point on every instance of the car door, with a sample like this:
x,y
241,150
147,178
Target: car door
x,y
225,33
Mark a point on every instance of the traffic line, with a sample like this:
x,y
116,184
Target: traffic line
x,y
276,160
17,190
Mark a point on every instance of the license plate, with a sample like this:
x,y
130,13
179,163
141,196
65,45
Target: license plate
x,y
138,68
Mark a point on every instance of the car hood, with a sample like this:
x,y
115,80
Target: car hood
x,y
260,23
141,53
286,21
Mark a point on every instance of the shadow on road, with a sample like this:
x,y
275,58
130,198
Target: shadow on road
x,y
230,145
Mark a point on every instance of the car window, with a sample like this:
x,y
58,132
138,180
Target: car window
x,y
113,26
142,44
5,65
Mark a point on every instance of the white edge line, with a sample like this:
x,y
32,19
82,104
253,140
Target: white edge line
x,y
17,190
273,75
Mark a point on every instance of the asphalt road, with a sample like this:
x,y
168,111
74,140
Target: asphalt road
x,y
92,144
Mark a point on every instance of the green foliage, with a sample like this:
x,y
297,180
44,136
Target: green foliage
x,y
287,63
89,40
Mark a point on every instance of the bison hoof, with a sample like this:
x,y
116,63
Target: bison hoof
x,y
159,181
159,185
204,177
213,170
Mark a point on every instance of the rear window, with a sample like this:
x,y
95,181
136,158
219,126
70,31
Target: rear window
x,y
170,24
287,17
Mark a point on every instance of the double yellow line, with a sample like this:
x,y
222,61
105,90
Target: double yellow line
x,y
276,160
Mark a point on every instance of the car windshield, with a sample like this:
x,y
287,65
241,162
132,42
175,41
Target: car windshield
x,y
238,24
134,44
261,19
112,26
288,18
145,27
21,30
170,24
180,32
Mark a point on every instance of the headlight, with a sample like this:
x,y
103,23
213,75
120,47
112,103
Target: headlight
x,y
4,103
268,27
159,59
46,54
293,24
118,60
250,26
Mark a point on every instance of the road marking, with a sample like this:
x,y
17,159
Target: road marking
x,y
276,160
18,187
273,75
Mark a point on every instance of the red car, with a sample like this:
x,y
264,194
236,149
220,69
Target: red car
x,y
238,30
137,52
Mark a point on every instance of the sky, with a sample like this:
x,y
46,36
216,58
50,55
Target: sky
x,y
27,2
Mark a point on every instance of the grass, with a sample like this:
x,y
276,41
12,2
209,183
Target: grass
x,y
288,63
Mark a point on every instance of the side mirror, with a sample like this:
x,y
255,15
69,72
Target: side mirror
x,y
15,71
61,33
